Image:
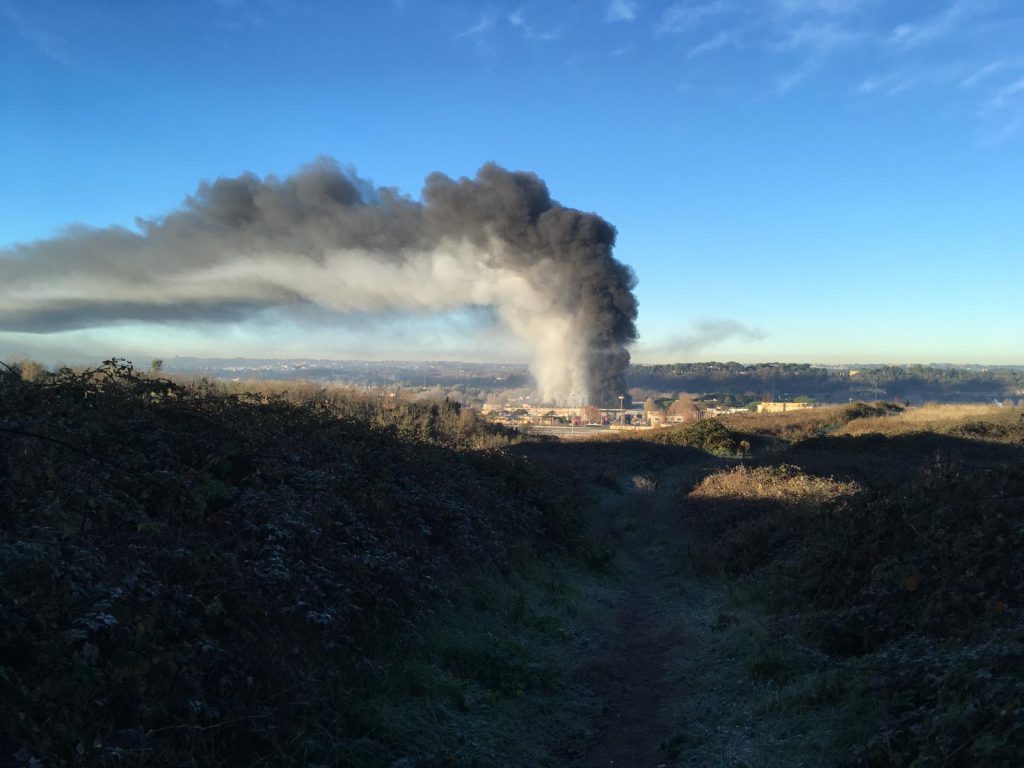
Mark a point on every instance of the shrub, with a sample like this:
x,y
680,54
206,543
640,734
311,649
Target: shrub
x,y
747,514
193,577
709,435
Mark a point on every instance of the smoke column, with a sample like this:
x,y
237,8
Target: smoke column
x,y
328,238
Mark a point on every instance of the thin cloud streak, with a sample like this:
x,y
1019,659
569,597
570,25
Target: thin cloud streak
x,y
890,85
712,44
819,41
992,68
939,25
827,7
1006,94
621,10
682,16
47,43
518,21
486,24
823,39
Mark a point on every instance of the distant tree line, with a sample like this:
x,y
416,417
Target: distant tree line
x,y
733,381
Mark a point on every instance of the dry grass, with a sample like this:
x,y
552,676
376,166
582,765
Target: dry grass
x,y
989,422
785,483
791,425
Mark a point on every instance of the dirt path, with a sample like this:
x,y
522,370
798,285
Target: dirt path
x,y
684,673
631,678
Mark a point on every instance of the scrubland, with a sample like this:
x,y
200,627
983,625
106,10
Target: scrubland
x,y
196,577
221,574
875,561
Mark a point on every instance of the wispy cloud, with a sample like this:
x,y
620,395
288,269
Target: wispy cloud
x,y
820,37
518,21
816,41
621,10
712,44
889,85
1002,112
1007,94
681,16
938,26
827,7
997,133
48,43
992,68
790,80
485,25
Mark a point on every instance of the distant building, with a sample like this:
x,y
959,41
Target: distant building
x,y
782,407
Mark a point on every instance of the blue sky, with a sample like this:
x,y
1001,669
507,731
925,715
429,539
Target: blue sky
x,y
806,180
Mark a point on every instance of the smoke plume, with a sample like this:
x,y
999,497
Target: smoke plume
x,y
324,237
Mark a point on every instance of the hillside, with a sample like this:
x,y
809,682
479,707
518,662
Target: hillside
x,y
194,575
737,383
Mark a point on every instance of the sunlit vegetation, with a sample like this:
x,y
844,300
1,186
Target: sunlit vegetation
x,y
810,422
983,422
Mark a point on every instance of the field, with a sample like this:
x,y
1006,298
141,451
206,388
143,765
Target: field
x,y
197,574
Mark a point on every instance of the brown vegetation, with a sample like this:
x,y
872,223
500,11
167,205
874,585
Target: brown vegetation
x,y
783,483
983,422
808,422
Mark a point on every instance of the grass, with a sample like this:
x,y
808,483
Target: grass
x,y
984,422
791,426
489,682
875,612
308,576
781,483
745,515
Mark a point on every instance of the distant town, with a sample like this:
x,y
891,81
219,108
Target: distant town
x,y
657,395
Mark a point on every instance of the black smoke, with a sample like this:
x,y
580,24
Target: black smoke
x,y
326,237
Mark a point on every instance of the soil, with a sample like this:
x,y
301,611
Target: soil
x,y
667,650
631,676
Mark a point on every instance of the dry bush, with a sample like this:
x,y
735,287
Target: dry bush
x,y
989,422
26,370
785,483
747,515
791,425
809,422
709,435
